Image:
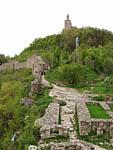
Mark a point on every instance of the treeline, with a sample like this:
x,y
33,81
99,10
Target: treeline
x,y
90,37
95,51
3,59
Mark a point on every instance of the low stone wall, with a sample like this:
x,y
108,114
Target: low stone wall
x,y
76,145
102,126
88,124
37,65
84,119
49,122
32,62
10,65
14,65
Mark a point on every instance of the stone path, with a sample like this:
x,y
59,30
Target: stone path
x,y
70,97
67,98
67,94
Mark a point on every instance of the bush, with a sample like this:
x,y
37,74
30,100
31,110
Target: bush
x,y
71,74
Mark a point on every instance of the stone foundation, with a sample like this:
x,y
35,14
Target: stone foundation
x,y
88,124
49,122
76,145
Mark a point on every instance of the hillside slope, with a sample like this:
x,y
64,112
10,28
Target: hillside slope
x,y
88,68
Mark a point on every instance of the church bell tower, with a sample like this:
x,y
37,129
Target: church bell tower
x,y
67,23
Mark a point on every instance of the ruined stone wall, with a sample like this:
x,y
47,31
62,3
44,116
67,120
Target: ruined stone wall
x,y
49,121
102,126
13,65
84,119
76,145
9,65
88,124
37,65
33,62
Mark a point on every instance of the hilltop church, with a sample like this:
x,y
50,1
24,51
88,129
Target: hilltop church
x,y
67,23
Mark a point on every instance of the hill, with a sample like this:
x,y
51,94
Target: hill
x,y
88,68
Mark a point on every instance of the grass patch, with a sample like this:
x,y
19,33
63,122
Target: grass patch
x,y
97,140
43,100
97,111
15,85
59,116
52,75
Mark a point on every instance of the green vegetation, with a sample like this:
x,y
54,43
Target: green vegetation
x,y
86,68
90,68
111,108
101,140
59,116
15,118
92,137
97,111
3,59
72,74
43,100
98,98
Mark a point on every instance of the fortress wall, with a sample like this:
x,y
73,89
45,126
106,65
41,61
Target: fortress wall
x,y
33,62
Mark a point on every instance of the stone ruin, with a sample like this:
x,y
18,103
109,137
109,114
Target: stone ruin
x,y
59,120
88,124
34,62
38,66
76,145
49,123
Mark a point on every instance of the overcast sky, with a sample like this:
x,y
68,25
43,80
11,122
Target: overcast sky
x,y
21,21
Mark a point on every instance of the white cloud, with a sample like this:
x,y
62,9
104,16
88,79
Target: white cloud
x,y
23,20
